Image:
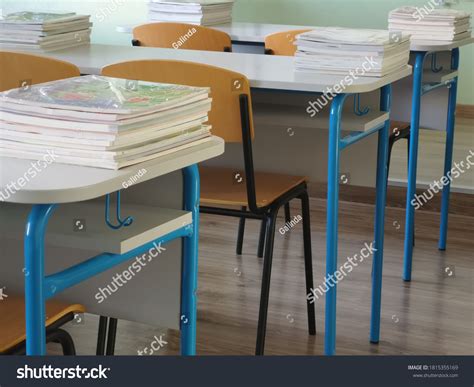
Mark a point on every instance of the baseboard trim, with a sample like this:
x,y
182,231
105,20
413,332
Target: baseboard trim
x,y
460,203
465,111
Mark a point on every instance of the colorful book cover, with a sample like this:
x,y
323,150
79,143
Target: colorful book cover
x,y
104,95
37,17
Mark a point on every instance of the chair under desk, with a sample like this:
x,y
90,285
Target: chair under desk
x,y
277,74
62,184
254,34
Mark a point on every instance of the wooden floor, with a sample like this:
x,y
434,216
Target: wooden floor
x,y
432,315
431,156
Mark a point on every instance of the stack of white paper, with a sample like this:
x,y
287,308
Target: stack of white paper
x,y
345,51
443,25
199,12
40,31
102,122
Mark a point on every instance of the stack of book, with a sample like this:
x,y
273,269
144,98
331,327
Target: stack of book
x,y
345,51
102,122
423,24
40,31
199,12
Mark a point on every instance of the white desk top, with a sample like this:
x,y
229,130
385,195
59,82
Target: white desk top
x,y
263,71
256,33
433,46
62,183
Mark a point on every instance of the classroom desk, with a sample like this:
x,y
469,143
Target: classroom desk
x,y
421,50
61,183
277,73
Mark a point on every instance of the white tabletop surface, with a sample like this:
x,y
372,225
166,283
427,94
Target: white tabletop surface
x,y
263,71
256,33
63,183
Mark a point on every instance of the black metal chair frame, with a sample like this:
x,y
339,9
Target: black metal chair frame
x,y
54,334
268,215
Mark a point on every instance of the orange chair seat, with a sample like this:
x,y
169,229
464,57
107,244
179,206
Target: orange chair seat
x,y
223,186
12,318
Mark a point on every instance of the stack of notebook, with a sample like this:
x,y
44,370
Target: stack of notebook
x,y
102,122
39,31
200,12
342,51
444,25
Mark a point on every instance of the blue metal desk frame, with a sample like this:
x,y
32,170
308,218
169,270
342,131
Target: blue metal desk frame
x,y
418,91
336,145
39,288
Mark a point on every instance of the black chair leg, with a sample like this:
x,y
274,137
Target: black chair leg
x,y
308,261
240,235
102,336
64,338
111,337
261,239
266,278
287,212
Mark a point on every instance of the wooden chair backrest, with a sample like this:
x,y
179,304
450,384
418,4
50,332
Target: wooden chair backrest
x,y
21,69
226,87
282,43
181,36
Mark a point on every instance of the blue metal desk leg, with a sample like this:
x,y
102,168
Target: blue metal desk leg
x,y
412,163
448,159
332,220
34,276
382,156
189,276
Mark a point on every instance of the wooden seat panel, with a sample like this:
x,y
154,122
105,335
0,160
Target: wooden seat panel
x,y
225,186
12,318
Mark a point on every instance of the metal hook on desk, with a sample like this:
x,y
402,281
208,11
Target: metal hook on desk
x,y
121,222
434,64
357,109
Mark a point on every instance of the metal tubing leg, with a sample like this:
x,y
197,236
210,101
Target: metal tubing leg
x,y
240,234
102,336
34,278
190,263
111,336
287,212
64,338
382,155
448,158
308,262
412,165
332,219
266,278
261,239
